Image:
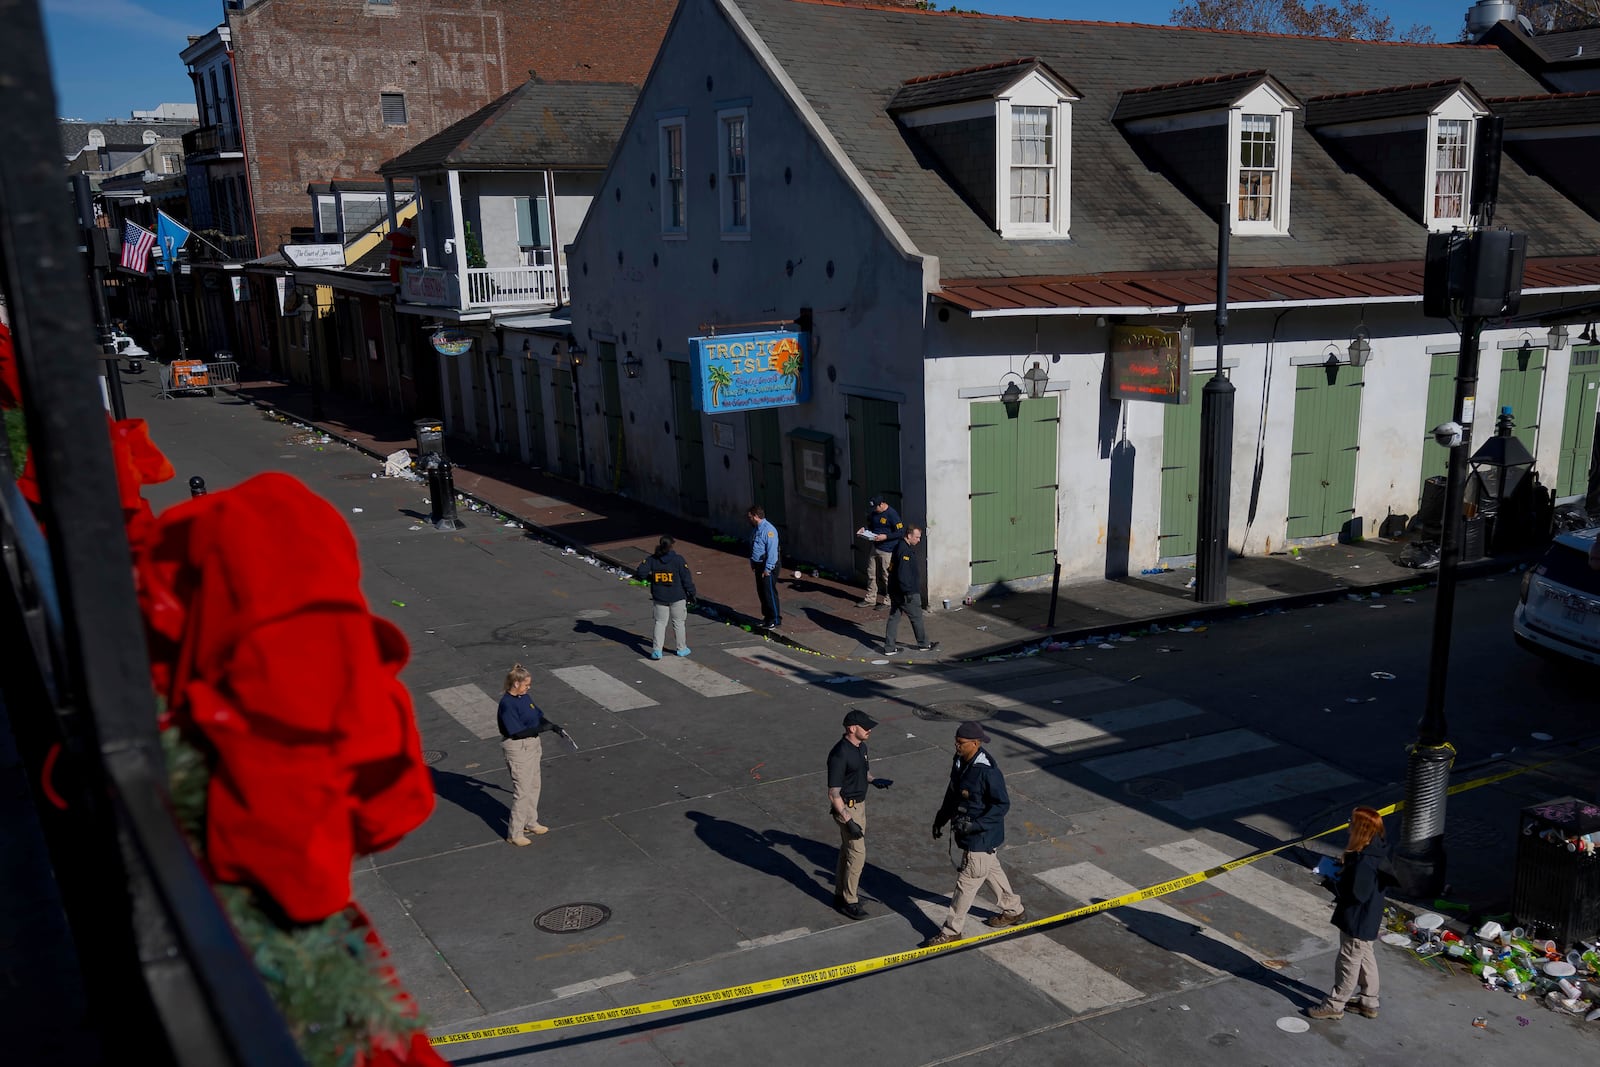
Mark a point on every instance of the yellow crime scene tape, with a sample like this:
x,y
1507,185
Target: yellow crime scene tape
x,y
828,975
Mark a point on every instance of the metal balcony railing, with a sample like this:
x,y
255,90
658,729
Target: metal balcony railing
x,y
512,286
211,140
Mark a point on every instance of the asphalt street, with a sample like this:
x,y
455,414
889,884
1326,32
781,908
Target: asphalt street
x,y
691,821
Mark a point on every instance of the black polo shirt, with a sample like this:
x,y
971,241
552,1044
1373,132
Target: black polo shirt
x,y
847,769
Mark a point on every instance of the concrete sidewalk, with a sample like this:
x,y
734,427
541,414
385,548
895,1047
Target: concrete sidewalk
x,y
820,612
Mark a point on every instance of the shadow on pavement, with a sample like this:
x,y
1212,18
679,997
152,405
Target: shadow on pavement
x,y
744,845
1168,933
473,795
842,627
640,643
892,891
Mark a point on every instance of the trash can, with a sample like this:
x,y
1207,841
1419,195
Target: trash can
x,y
430,438
1556,891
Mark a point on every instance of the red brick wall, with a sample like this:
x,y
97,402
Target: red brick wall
x,y
310,73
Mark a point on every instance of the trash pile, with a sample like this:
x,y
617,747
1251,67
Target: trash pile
x,y
1509,960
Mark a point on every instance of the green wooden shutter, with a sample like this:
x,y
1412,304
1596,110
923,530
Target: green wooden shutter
x,y
1180,478
1441,408
1013,489
1323,449
1577,423
1521,383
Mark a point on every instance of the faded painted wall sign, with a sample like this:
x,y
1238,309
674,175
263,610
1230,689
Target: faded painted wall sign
x,y
747,371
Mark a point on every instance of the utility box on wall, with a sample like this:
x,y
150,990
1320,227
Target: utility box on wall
x,y
815,472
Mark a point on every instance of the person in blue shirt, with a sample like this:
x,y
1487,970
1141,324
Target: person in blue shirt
x,y
764,564
521,722
885,530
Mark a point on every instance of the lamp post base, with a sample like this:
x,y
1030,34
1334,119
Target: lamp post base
x,y
1419,869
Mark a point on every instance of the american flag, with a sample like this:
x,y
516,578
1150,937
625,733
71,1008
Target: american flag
x,y
136,245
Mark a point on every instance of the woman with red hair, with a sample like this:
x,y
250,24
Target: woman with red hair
x,y
1358,912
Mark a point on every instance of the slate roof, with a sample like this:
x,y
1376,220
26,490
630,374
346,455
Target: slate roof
x,y
573,125
1562,47
849,62
1181,98
1364,105
959,86
1553,109
75,133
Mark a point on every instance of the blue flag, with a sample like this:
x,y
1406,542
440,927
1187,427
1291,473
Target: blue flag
x,y
170,235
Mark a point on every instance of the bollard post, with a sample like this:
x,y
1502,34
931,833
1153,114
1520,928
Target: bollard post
x,y
441,492
197,487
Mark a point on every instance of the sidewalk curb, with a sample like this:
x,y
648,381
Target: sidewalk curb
x,y
1219,612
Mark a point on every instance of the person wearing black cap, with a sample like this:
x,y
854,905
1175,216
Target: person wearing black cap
x,y
883,531
848,778
975,806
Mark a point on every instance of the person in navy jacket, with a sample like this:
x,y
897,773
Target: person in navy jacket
x,y
975,806
671,589
1358,900
884,528
521,722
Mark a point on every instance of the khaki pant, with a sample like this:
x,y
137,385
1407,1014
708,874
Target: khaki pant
x,y
676,611
852,855
877,575
1355,975
978,868
522,757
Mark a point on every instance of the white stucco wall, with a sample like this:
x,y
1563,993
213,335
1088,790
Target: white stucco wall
x,y
812,243
1261,352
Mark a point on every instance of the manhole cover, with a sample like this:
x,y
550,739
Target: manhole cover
x,y
570,918
431,756
1153,789
593,613
523,632
878,676
956,711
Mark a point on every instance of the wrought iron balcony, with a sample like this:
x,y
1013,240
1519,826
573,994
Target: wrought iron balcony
x,y
211,141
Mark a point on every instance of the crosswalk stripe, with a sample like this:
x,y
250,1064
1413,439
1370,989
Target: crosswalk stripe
x,y
592,984
470,706
603,689
790,670
1055,690
909,680
697,676
1055,970
1184,753
1107,723
1258,790
1298,907
1087,883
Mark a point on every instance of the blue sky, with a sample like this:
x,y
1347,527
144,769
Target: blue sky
x,y
87,36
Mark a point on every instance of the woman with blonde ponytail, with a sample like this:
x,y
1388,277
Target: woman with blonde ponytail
x,y
521,722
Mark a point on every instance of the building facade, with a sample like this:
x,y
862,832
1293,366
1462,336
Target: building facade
x,y
979,223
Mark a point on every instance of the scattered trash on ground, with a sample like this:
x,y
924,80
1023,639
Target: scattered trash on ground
x,y
1383,676
1541,736
398,603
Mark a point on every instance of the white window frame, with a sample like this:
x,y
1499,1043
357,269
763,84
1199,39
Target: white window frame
x,y
1456,109
727,178
1261,101
668,191
1035,91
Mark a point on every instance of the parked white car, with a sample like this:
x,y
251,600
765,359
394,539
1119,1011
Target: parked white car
x,y
1559,611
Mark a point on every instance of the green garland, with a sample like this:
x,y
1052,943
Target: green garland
x,y
324,976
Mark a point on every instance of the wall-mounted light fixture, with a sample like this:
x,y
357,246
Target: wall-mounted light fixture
x,y
1556,339
1360,347
631,363
1037,378
575,350
1588,336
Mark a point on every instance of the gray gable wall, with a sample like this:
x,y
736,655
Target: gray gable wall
x,y
965,151
849,62
1396,164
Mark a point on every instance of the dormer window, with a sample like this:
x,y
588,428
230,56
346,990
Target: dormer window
x,y
1258,167
1224,140
1452,151
1260,128
1002,134
1413,143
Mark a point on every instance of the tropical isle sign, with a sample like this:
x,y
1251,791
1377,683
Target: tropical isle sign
x,y
745,371
1148,363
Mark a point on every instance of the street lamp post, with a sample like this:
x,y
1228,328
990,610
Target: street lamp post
x,y
308,311
1216,448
